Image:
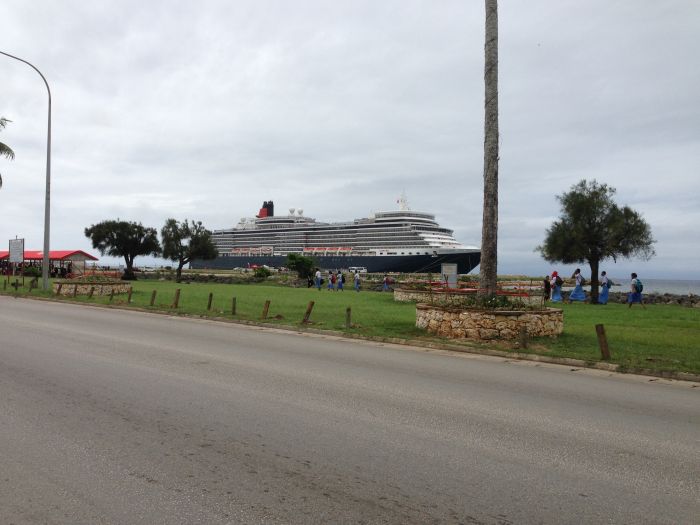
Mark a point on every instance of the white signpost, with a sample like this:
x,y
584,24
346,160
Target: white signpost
x,y
16,255
16,251
449,274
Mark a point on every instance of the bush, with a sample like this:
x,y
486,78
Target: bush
x,y
304,266
262,273
495,302
32,271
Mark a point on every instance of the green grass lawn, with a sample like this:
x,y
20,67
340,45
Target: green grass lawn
x,y
658,337
662,337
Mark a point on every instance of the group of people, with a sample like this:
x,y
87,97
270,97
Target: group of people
x,y
335,281
553,285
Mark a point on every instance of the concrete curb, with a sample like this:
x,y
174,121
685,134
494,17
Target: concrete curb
x,y
433,345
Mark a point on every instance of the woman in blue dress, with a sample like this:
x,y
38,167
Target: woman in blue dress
x,y
556,287
578,294
605,285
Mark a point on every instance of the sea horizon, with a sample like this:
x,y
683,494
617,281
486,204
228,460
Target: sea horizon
x,y
661,286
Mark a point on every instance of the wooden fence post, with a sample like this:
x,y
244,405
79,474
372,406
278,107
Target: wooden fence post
x,y
522,337
176,302
153,297
75,290
58,290
111,294
348,317
265,309
602,342
92,291
308,312
233,306
131,290
211,296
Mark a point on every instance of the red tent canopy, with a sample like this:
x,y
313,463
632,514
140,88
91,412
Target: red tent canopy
x,y
54,255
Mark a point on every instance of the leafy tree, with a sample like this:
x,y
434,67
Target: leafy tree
x,y
489,229
5,150
593,228
185,241
124,239
304,266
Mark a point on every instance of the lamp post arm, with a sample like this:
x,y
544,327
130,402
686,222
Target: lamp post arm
x,y
47,202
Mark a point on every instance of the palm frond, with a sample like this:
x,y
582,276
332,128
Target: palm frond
x,y
6,151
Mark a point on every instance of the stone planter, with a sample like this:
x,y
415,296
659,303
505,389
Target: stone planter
x,y
100,288
487,325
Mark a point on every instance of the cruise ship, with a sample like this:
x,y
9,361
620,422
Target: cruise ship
x,y
403,241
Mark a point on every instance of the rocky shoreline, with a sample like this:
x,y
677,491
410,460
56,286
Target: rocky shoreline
x,y
692,301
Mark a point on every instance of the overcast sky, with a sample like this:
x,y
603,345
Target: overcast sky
x,y
204,110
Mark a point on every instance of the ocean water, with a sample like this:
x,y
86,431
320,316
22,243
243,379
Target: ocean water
x,y
657,286
673,286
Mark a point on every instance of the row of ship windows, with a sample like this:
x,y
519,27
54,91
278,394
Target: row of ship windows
x,y
364,226
348,254
298,248
337,240
327,231
339,231
398,243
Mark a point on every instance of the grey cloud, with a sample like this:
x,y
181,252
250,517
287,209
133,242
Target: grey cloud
x,y
164,109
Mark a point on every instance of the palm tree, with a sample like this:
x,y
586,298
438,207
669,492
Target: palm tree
x,y
5,151
489,231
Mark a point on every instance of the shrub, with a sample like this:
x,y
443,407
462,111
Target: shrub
x,y
304,266
262,273
32,271
496,302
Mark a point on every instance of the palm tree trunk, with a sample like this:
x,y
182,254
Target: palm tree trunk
x,y
489,232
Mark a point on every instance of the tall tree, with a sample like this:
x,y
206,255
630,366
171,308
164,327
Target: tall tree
x,y
124,239
593,228
489,228
185,241
5,150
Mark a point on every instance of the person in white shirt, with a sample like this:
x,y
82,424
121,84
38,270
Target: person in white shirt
x,y
605,284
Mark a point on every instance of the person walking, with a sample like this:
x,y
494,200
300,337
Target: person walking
x,y
578,294
317,279
635,295
331,281
547,283
357,281
340,281
605,285
385,283
557,283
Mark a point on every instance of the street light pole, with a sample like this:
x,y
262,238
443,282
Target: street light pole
x,y
47,202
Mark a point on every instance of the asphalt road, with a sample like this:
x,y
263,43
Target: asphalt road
x,y
110,416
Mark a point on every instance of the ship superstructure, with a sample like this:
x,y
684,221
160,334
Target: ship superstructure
x,y
389,241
